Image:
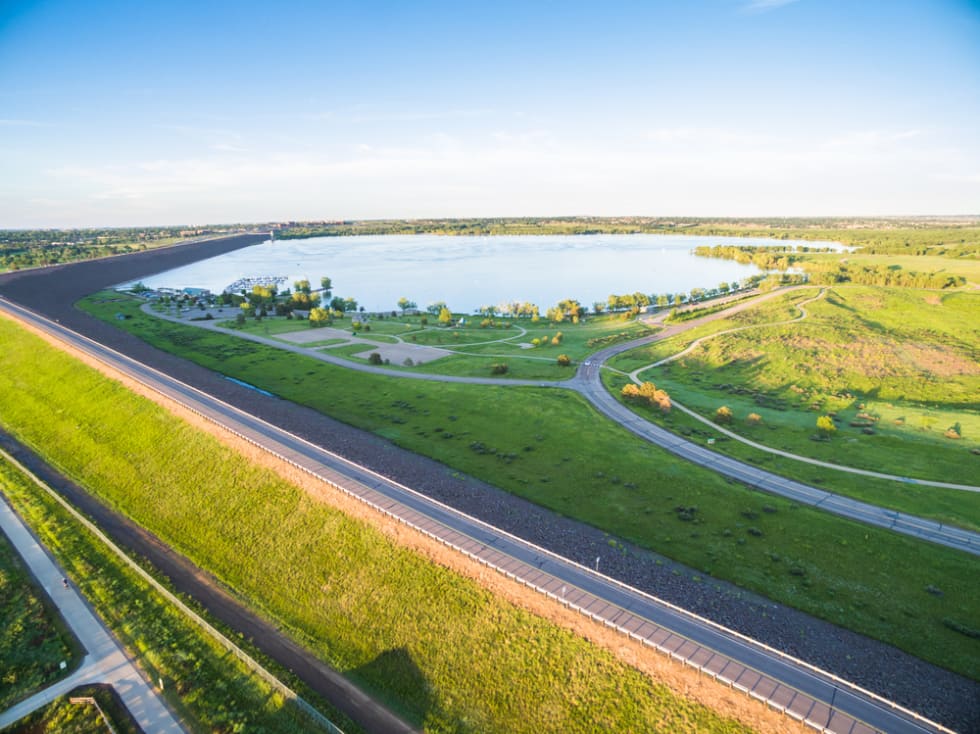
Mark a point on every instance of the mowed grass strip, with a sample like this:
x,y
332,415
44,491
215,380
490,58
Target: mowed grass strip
x,y
436,646
551,447
33,638
211,689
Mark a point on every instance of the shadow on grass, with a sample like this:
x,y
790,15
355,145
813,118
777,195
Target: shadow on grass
x,y
396,678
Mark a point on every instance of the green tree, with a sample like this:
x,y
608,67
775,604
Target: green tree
x,y
404,304
663,301
326,286
319,317
302,286
571,308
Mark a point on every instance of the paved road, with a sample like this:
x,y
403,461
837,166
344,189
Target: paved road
x,y
588,382
104,661
790,685
635,376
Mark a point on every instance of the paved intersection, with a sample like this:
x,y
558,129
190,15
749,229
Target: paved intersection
x,y
105,660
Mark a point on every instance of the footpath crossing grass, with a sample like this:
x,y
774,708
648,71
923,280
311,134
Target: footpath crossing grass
x,y
209,687
551,447
760,371
64,717
437,647
898,369
476,348
33,638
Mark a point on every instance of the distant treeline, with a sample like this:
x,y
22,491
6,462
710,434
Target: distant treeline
x,y
912,236
472,227
774,228
875,237
27,248
828,273
766,258
824,272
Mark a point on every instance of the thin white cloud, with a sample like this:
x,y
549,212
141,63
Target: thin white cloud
x,y
23,123
870,138
682,170
228,148
415,115
764,6
704,136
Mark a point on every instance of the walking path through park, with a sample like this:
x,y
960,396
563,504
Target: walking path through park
x,y
580,383
588,382
105,661
635,377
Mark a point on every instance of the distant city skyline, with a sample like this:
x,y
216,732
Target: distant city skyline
x,y
128,114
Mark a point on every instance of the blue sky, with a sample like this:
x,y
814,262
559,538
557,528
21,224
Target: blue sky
x,y
164,113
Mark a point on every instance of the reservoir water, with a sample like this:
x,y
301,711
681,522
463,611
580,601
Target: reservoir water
x,y
469,272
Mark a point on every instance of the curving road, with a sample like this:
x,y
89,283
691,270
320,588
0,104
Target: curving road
x,y
801,691
588,382
635,376
590,385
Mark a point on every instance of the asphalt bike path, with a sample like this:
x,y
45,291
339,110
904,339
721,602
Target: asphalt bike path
x,y
105,660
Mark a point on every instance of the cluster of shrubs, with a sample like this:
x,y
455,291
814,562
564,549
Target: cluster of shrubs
x,y
725,416
647,394
544,340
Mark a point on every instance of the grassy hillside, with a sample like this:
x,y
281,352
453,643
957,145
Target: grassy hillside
x,y
553,448
211,690
33,639
437,647
898,369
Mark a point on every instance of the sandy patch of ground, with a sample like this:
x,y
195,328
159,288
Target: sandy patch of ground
x,y
677,677
316,335
398,353
940,361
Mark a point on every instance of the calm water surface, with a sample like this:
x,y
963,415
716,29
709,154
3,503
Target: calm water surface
x,y
469,272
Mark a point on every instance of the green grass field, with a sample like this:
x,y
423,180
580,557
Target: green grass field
x,y
551,447
897,367
963,267
33,638
207,685
476,348
437,647
64,717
